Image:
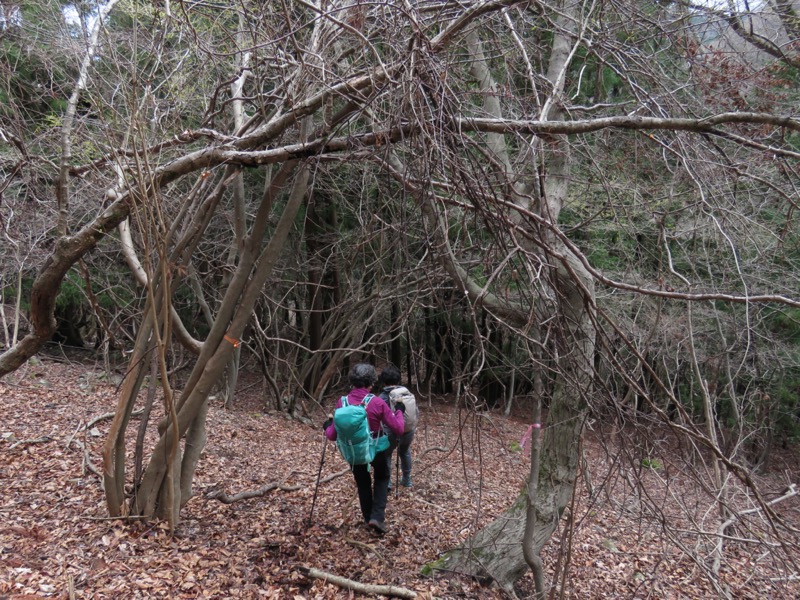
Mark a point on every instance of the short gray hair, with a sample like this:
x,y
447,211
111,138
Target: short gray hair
x,y
362,375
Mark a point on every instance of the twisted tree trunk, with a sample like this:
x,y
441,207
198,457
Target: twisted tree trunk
x,y
497,552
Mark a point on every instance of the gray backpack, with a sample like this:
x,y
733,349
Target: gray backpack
x,y
401,394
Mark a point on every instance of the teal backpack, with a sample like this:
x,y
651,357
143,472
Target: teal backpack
x,y
353,437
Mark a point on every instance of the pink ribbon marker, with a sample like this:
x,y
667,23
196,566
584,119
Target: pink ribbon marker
x,y
526,438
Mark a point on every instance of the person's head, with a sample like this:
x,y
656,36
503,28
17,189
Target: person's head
x,y
390,375
362,375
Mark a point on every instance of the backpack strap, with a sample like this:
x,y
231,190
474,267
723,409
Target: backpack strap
x,y
366,400
364,403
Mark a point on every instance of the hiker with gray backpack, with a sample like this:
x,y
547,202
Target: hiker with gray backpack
x,y
357,427
394,393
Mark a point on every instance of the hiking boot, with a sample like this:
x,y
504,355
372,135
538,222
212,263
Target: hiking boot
x,y
378,527
406,482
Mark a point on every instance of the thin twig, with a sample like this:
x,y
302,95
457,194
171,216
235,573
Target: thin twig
x,y
69,441
367,548
87,461
420,499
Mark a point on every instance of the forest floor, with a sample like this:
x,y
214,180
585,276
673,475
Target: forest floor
x,y
56,540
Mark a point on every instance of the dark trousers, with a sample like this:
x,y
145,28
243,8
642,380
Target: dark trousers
x,y
373,488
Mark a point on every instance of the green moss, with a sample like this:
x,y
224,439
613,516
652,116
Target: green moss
x,y
521,503
430,569
71,292
652,463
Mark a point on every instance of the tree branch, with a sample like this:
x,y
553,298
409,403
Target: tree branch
x,y
368,589
246,495
336,475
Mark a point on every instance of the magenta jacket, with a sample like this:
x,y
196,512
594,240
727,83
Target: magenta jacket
x,y
378,413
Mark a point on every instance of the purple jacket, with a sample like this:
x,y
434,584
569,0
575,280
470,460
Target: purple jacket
x,y
378,412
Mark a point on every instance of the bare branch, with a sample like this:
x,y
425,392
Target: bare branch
x,y
358,587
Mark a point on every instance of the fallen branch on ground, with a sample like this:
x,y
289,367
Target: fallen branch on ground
x,y
432,449
106,416
88,465
41,440
368,589
246,495
334,475
119,518
420,499
790,492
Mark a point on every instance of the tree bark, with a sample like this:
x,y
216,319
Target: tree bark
x,y
529,550
234,313
497,551
231,375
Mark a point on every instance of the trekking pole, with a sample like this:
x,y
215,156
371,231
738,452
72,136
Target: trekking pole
x,y
319,473
397,473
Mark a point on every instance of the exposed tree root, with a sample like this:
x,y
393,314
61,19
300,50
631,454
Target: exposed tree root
x,y
361,588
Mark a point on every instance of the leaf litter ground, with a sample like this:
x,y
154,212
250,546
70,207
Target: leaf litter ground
x,y
57,542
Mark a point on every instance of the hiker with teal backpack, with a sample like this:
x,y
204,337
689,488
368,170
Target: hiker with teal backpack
x,y
394,393
357,427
